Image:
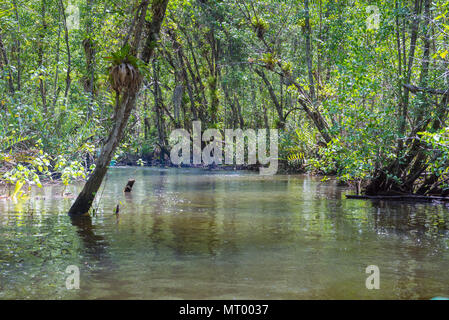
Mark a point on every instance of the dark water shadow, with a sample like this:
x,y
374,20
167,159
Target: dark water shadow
x,y
95,245
102,268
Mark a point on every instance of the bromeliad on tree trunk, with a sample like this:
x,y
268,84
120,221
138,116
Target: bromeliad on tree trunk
x,y
125,79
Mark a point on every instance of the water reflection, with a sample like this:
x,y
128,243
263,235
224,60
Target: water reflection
x,y
192,234
94,244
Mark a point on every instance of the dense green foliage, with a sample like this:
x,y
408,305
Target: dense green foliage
x,y
366,100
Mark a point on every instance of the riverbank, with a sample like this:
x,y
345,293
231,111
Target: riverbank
x,y
6,190
133,160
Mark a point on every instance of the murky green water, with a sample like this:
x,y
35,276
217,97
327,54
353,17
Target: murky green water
x,y
190,234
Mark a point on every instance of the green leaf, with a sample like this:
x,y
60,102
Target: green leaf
x,y
19,185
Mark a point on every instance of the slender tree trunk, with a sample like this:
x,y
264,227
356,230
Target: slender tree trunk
x,y
213,78
177,48
89,51
197,75
400,89
42,85
56,87
309,50
234,111
127,103
411,57
68,80
160,123
18,50
280,111
239,112
6,63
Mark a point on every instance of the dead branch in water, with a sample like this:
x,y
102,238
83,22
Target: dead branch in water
x,y
129,185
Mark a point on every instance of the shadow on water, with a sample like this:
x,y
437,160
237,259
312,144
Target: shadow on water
x,y
100,268
94,245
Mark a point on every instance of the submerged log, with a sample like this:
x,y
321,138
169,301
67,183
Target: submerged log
x,y
405,197
129,185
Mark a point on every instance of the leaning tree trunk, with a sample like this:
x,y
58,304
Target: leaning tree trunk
x,y
87,195
124,107
279,109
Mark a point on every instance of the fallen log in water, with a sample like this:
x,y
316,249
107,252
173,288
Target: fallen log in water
x,y
405,197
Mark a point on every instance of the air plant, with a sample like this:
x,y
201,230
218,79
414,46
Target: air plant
x,y
287,68
270,60
260,26
124,72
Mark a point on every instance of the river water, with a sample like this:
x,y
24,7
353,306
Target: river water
x,y
193,234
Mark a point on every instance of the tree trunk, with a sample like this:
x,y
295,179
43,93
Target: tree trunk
x,y
56,87
6,63
127,102
281,124
309,51
89,51
18,50
69,57
160,123
42,85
